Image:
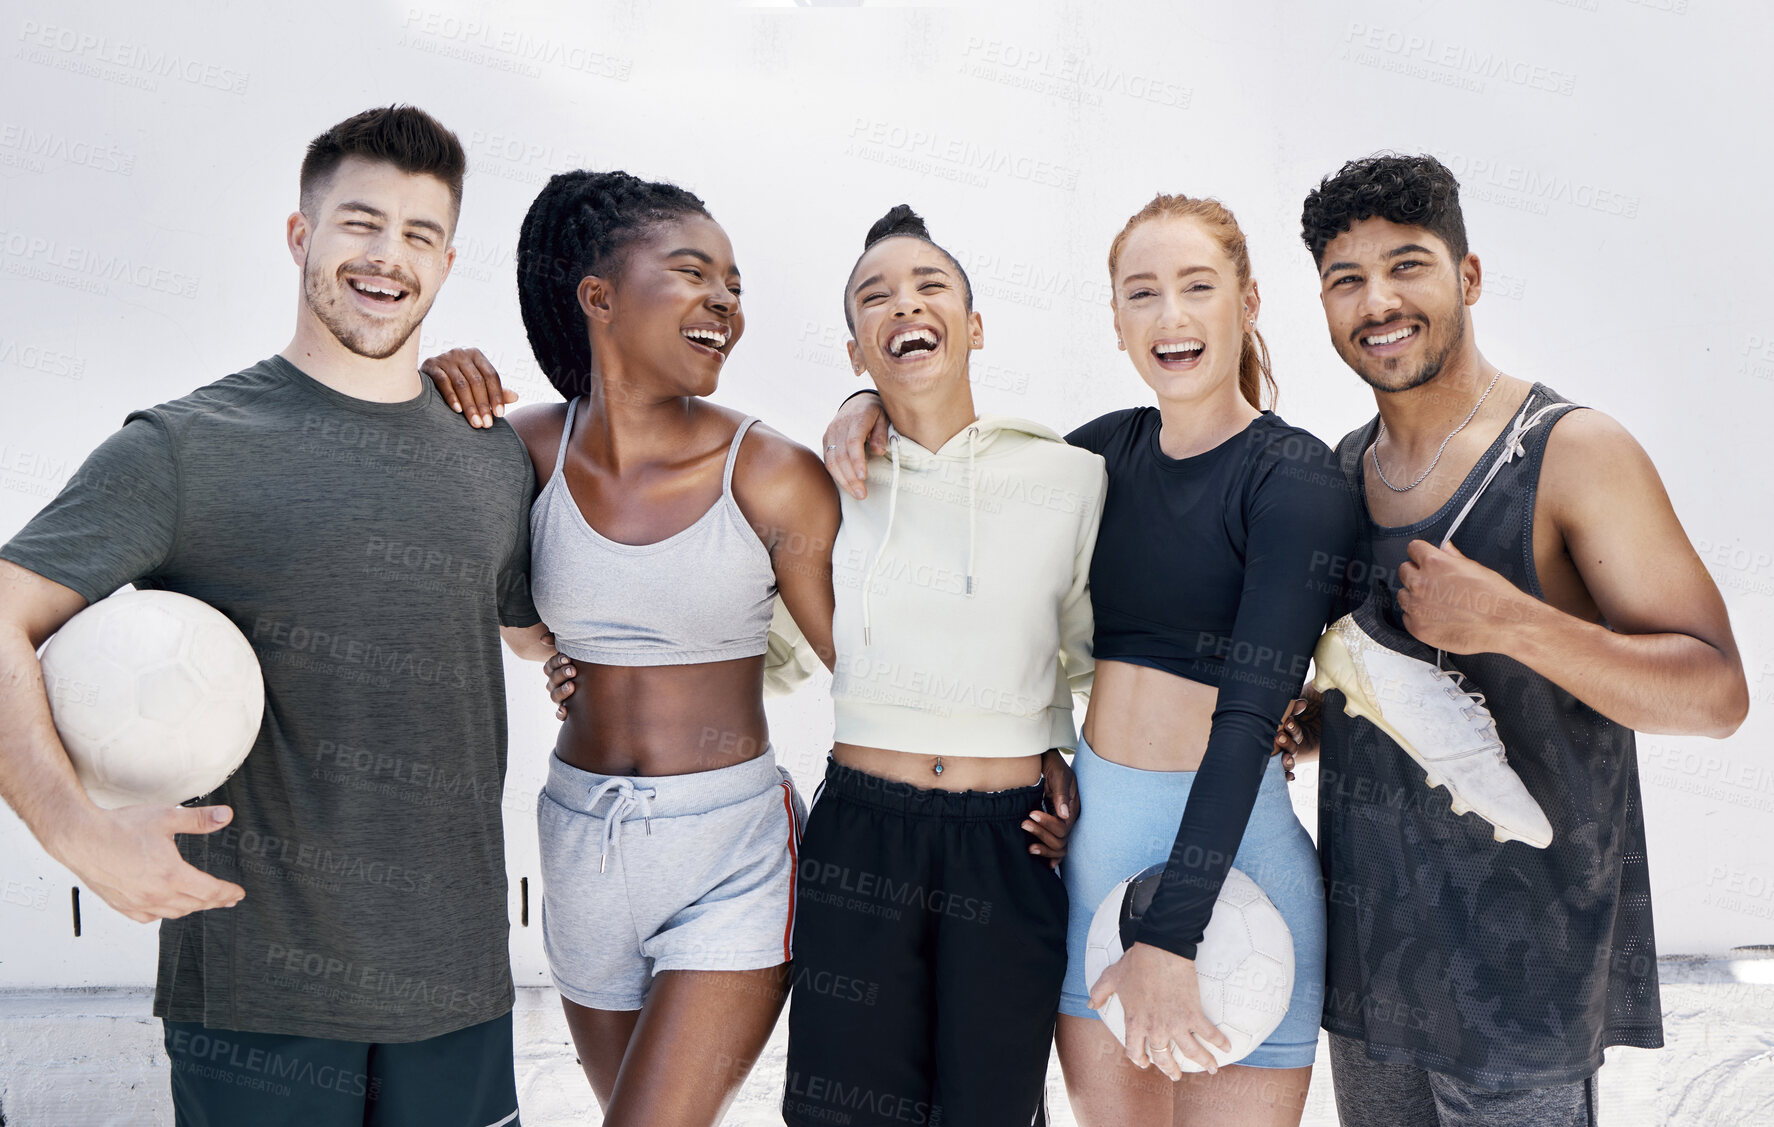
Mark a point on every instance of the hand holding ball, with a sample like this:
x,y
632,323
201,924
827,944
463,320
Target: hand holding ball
x,y
1244,963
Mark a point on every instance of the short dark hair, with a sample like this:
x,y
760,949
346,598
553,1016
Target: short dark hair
x,y
1414,191
901,220
405,136
583,223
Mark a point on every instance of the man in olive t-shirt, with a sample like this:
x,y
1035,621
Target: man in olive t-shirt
x,y
336,946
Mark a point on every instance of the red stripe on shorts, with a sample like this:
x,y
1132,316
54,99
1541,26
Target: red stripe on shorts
x,y
794,856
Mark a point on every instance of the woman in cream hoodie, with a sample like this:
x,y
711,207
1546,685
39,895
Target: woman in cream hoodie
x,y
930,936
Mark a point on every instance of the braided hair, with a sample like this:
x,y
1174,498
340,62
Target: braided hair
x,y
901,220
582,223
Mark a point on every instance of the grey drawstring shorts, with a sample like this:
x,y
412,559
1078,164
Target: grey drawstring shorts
x,y
673,872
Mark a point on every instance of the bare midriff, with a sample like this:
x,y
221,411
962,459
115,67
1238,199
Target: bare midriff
x,y
657,720
1147,718
958,772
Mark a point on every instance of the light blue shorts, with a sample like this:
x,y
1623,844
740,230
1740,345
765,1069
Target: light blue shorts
x,y
1129,820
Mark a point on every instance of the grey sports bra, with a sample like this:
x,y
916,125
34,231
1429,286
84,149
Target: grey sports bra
x,y
703,594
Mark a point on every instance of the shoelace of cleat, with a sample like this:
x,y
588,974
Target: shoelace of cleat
x,y
1474,709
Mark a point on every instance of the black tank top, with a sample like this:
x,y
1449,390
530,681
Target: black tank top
x,y
1500,964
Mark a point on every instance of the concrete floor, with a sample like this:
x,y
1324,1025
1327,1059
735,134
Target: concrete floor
x,y
91,1058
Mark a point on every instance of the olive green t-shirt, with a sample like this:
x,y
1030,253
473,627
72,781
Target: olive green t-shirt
x,y
369,551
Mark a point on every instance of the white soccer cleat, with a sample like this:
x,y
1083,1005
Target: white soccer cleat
x,y
1447,729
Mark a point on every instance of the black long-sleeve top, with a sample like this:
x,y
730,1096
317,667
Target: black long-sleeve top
x,y
1222,568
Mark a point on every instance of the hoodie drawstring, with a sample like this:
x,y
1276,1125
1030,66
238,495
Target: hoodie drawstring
x,y
868,580
972,518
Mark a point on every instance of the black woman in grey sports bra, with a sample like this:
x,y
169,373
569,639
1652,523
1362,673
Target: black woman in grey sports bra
x,y
664,531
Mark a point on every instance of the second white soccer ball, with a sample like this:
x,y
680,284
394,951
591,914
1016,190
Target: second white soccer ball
x,y
1244,962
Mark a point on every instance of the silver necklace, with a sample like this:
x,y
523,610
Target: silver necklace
x,y
1375,448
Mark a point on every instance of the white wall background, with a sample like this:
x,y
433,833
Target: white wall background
x,y
1608,149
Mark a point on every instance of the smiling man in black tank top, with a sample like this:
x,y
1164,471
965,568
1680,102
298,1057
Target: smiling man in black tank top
x,y
1472,981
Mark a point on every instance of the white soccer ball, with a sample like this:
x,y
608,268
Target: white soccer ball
x,y
156,696
1244,963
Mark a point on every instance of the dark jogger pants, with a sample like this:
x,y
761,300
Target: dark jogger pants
x,y
928,950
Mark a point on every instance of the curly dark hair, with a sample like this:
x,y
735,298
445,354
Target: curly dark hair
x,y
1415,191
582,224
901,220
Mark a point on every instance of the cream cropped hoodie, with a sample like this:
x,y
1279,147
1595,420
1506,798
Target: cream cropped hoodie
x,y
963,621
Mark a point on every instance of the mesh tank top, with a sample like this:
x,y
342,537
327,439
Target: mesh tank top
x,y
703,594
1505,966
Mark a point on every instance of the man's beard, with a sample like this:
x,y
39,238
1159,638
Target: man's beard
x,y
1431,368
371,340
